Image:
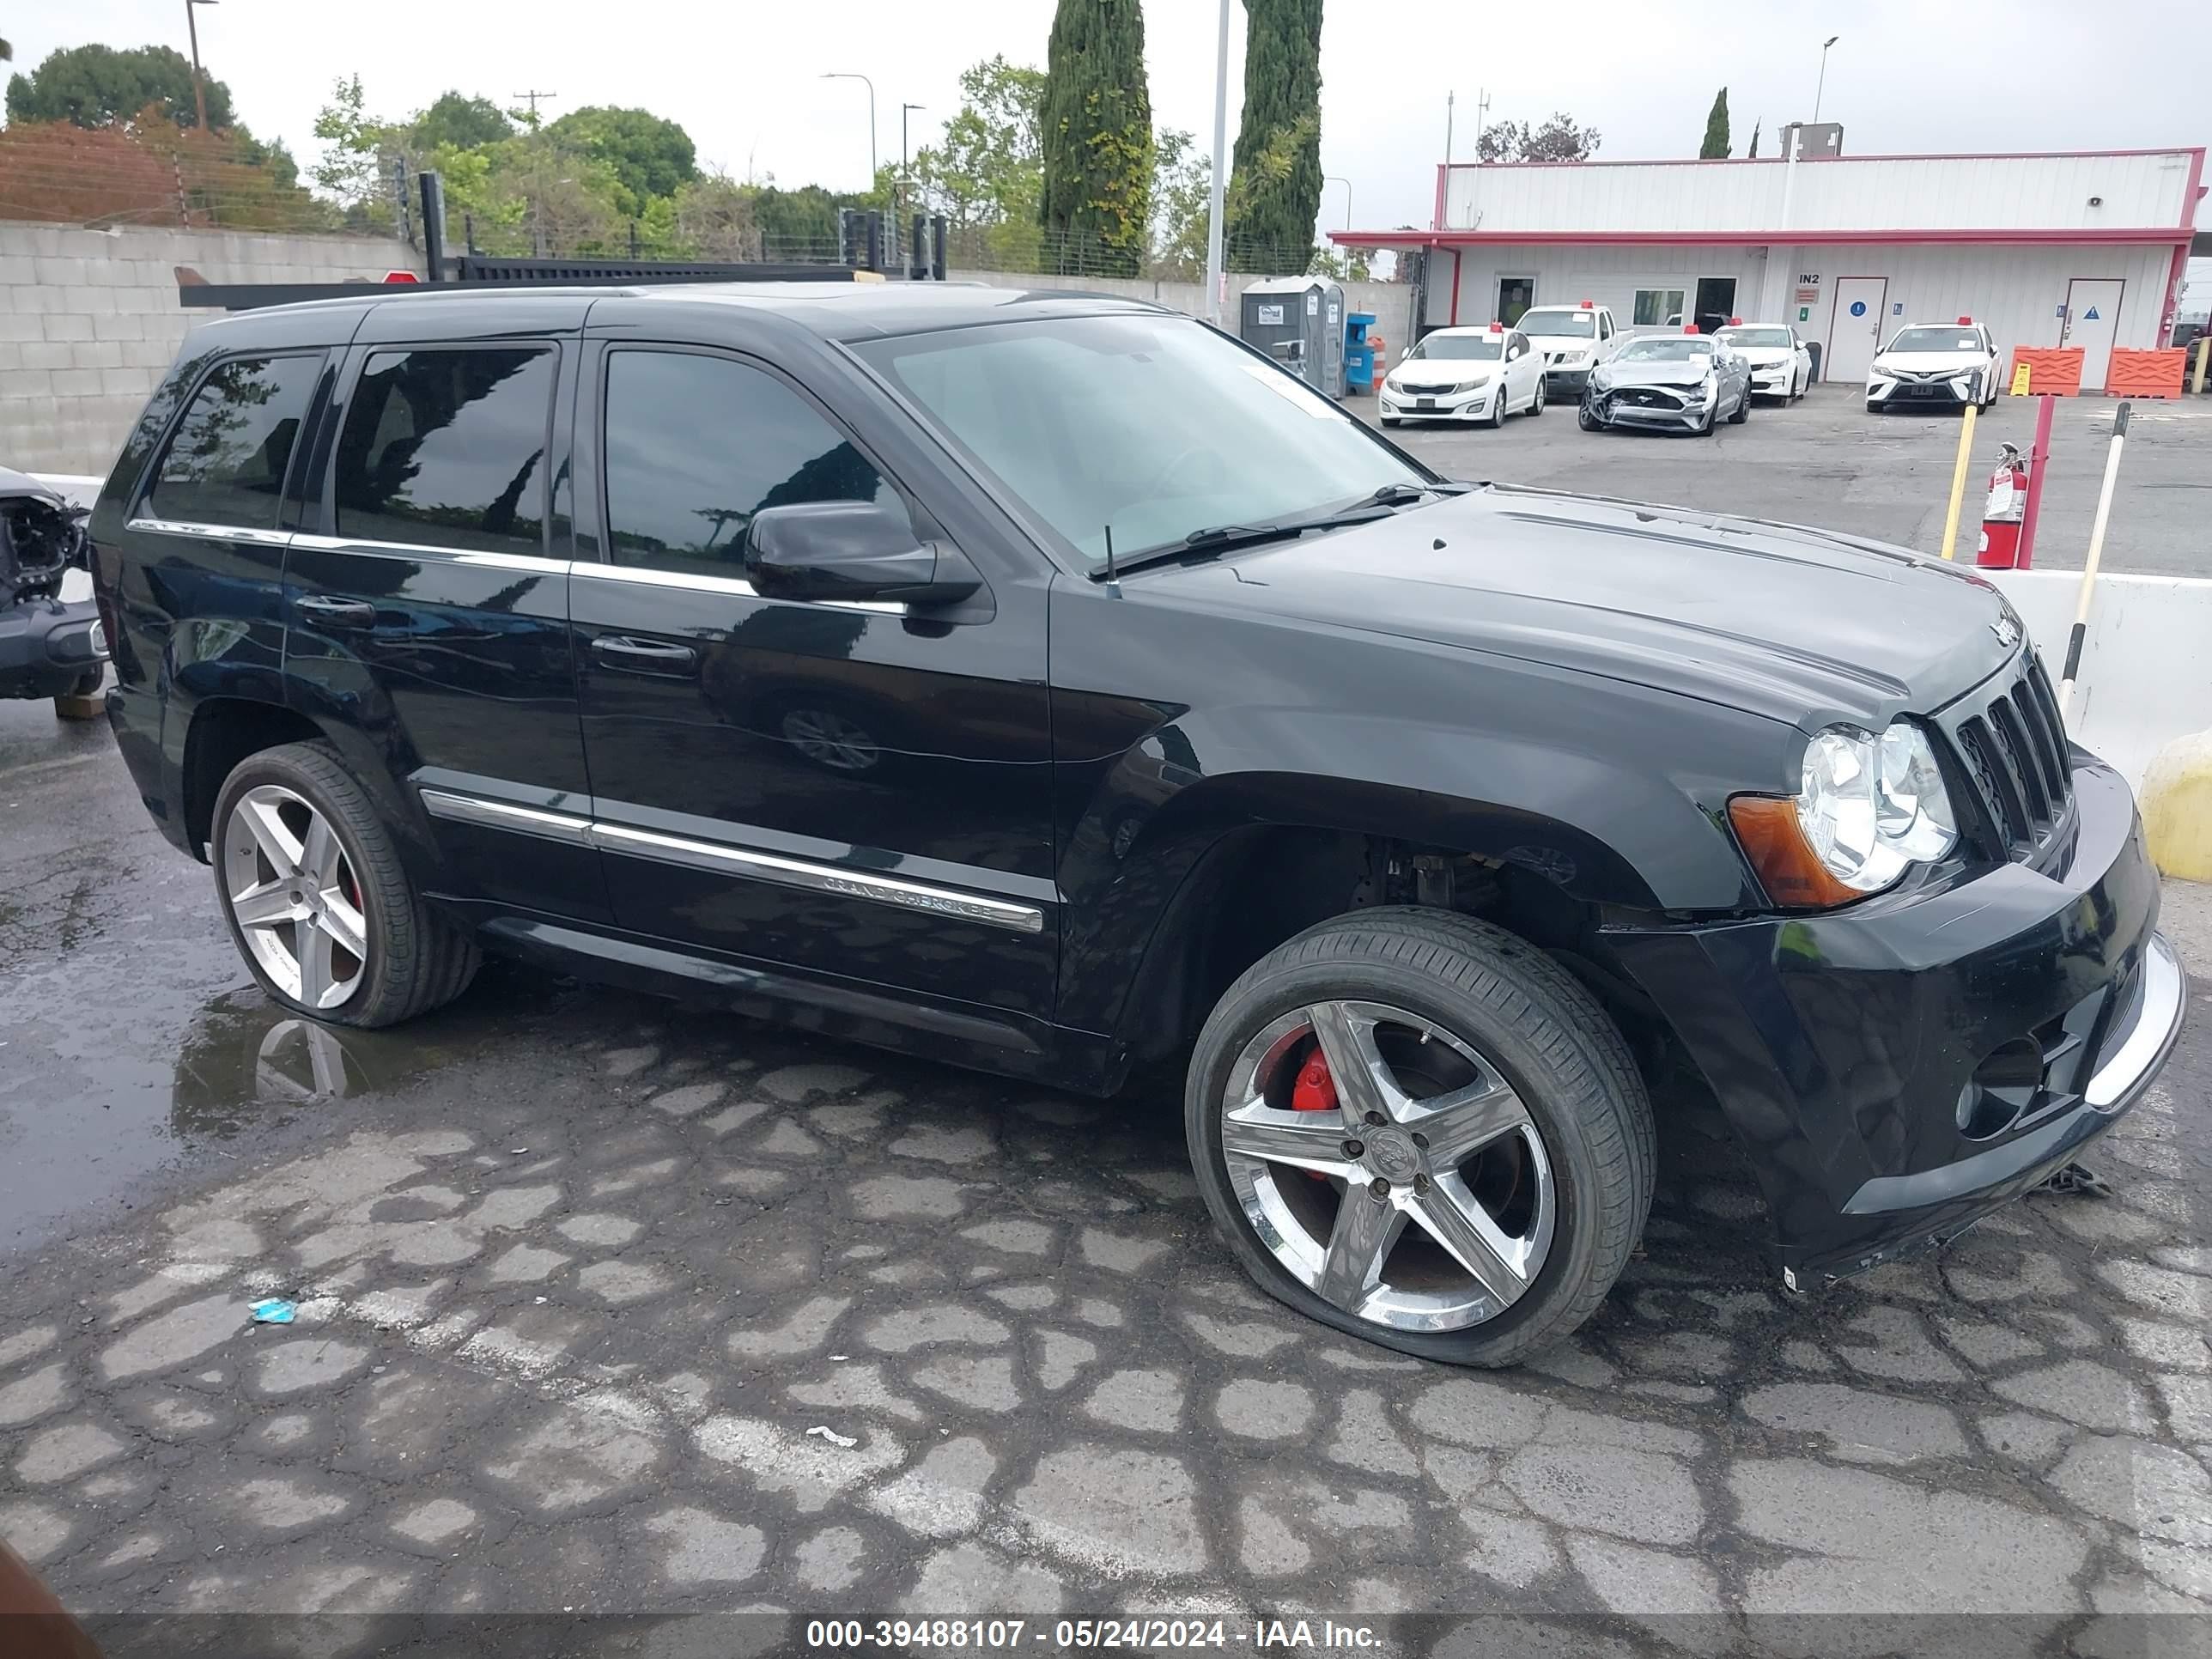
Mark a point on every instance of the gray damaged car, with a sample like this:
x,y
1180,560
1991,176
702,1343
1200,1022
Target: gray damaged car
x,y
1668,383
50,646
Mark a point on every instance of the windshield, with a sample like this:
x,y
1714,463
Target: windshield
x,y
1468,348
1673,348
1756,336
1577,325
1155,425
1935,339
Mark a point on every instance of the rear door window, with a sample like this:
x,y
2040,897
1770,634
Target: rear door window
x,y
446,447
696,445
227,463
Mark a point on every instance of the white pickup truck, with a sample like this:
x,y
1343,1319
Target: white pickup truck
x,y
1574,339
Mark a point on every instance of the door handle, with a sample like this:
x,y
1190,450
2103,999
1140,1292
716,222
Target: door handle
x,y
631,656
337,613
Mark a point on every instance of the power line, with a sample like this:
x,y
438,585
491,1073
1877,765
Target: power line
x,y
532,96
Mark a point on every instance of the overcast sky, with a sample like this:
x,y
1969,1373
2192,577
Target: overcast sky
x,y
743,77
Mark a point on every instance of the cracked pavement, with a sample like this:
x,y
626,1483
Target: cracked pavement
x,y
578,1272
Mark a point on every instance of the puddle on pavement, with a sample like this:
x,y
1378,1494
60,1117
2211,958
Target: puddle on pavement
x,y
91,1109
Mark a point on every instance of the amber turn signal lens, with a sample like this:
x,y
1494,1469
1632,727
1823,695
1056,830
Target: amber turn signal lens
x,y
1787,868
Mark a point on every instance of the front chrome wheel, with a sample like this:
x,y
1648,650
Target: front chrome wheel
x,y
828,738
295,896
1387,1166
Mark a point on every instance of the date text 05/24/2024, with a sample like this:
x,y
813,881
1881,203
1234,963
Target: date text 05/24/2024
x,y
1137,1634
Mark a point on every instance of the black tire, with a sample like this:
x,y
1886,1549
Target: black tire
x,y
1536,403
1704,429
1585,419
1388,420
1497,410
1544,1033
1743,412
416,960
87,684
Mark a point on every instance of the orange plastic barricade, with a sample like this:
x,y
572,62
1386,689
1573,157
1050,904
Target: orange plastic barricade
x,y
2146,373
2054,369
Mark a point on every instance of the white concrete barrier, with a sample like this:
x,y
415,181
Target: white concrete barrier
x,y
2146,673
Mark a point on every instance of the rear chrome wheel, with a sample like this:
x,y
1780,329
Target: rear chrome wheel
x,y
295,897
318,900
1387,1166
1421,1130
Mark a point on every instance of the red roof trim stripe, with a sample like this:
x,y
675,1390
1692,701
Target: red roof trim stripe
x,y
1823,160
2164,235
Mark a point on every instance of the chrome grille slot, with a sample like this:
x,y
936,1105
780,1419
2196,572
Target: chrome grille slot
x,y
2007,737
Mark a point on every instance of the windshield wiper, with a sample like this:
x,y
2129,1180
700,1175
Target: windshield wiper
x,y
1220,537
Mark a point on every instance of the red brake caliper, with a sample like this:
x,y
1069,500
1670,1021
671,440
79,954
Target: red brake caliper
x,y
1313,1091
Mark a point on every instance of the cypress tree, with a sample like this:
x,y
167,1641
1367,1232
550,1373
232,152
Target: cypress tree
x,y
1715,147
1098,140
1277,173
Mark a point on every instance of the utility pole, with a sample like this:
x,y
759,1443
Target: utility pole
x,y
531,98
1451,98
1822,85
199,83
898,194
1216,279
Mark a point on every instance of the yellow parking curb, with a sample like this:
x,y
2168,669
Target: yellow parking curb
x,y
2177,807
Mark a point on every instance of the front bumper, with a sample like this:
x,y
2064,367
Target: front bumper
x,y
47,645
1571,380
1646,406
1840,1046
1917,394
1778,381
1453,406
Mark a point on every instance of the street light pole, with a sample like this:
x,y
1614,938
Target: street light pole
x,y
199,85
1214,277
1332,179
1821,86
898,192
848,75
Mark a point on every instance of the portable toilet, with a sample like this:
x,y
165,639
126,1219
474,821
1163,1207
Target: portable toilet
x,y
1359,353
1299,322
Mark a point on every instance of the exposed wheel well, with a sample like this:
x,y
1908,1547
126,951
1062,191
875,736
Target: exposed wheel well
x,y
224,732
1259,886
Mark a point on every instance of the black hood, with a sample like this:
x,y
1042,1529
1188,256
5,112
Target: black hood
x,y
1795,624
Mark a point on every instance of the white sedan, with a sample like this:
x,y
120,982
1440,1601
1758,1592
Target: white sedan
x,y
1466,374
1781,367
1928,367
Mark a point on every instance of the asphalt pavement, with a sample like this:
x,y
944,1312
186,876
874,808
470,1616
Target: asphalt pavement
x,y
581,1274
1823,460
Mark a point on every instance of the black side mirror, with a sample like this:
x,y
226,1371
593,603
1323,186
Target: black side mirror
x,y
849,551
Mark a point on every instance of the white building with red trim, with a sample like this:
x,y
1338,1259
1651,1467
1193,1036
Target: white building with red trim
x,y
2082,248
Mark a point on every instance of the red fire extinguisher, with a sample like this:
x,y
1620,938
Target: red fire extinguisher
x,y
1999,548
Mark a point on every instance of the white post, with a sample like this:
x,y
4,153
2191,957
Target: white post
x,y
1780,282
1215,278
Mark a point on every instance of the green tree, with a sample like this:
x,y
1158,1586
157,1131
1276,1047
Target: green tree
x,y
354,144
1274,224
986,174
460,120
1183,193
1097,139
1559,139
98,86
1715,147
650,157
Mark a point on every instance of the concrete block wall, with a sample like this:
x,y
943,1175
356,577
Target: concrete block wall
x,y
89,320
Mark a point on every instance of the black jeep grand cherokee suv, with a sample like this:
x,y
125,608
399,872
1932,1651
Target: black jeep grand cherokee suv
x,y
1049,684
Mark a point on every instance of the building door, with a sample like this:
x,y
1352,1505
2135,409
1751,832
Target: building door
x,y
1854,327
1515,295
1715,303
2092,314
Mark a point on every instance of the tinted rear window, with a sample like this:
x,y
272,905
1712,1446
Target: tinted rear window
x,y
226,463
447,448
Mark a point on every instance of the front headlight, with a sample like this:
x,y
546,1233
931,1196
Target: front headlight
x,y
1699,392
1475,385
1879,373
1866,808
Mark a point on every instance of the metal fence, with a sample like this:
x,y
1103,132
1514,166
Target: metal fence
x,y
198,181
